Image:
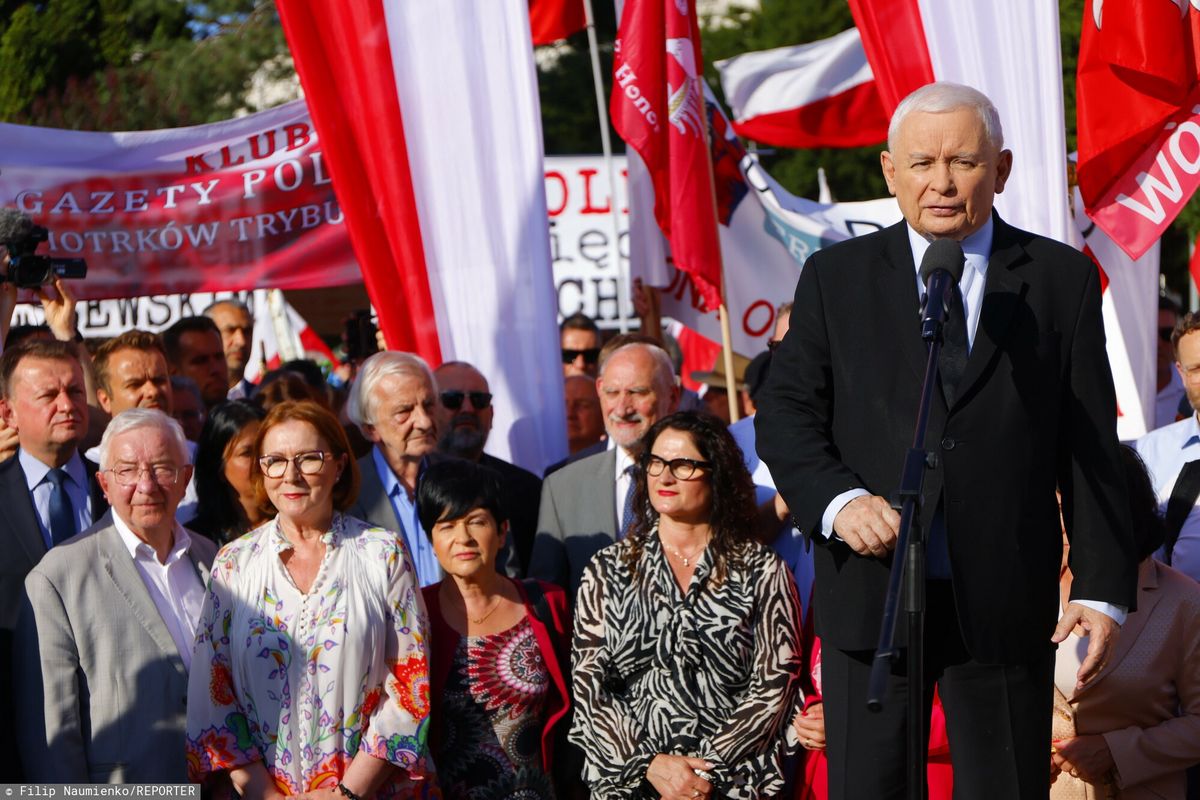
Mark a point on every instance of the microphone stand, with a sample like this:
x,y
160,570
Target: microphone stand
x,y
908,566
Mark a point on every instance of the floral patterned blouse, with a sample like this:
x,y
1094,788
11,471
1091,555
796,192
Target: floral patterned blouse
x,y
304,681
492,718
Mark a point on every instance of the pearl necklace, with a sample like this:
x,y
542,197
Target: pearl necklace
x,y
687,560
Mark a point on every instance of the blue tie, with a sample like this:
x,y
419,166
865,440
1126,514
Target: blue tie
x,y
62,513
628,514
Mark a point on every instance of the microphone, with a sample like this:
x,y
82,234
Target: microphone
x,y
941,270
14,226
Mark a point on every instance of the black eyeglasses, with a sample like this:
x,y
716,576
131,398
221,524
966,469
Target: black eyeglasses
x,y
590,355
308,463
1165,334
453,399
684,469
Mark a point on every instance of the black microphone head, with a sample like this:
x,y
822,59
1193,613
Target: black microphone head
x,y
14,226
944,254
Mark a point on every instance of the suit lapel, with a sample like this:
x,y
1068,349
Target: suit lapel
x,y
605,475
1001,296
18,508
897,285
116,563
377,506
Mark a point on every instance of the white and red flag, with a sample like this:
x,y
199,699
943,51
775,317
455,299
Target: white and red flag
x,y
429,119
658,108
821,94
1138,111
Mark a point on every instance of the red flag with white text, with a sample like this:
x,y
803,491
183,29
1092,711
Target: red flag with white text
x,y
1139,129
658,109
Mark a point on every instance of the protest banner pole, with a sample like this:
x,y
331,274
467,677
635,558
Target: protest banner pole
x,y
614,239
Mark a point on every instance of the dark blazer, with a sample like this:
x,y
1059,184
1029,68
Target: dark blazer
x,y
1036,410
522,493
21,540
577,519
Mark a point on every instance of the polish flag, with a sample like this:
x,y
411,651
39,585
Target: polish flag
x,y
429,119
658,108
1138,108
551,20
821,94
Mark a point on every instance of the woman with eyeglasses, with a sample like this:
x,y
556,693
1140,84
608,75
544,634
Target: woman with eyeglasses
x,y
310,670
687,647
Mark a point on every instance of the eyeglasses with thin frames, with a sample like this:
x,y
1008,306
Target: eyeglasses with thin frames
x,y
130,474
684,469
309,463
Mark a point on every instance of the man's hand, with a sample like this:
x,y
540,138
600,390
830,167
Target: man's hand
x,y
1085,757
810,727
869,525
9,441
1101,631
675,778
59,306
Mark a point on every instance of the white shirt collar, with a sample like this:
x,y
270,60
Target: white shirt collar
x,y
1192,431
977,247
179,547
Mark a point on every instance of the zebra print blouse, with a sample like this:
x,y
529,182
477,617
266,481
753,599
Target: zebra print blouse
x,y
711,673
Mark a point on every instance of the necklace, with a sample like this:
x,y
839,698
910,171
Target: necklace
x,y
482,619
687,560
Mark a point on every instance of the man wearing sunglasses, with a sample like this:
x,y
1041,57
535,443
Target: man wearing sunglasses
x,y
464,421
580,346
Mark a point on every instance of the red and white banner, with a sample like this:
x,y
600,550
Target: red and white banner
x,y
821,94
1139,128
234,205
658,108
429,118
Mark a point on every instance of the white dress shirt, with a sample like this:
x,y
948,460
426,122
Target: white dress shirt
x,y
624,484
175,587
1165,451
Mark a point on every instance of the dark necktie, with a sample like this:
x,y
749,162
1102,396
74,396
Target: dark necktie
x,y
62,513
952,361
627,514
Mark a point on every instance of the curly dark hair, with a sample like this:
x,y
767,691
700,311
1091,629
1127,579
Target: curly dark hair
x,y
733,513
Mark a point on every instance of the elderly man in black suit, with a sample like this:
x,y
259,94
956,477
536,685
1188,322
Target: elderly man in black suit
x,y
48,491
1027,407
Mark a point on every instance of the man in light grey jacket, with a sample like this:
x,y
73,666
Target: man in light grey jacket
x,y
104,639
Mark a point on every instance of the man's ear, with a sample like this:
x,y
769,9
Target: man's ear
x,y
104,400
889,171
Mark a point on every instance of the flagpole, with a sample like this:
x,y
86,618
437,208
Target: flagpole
x,y
614,239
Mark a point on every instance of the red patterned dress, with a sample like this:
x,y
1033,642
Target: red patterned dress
x,y
492,718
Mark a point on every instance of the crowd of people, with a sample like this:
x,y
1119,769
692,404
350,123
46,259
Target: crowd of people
x,y
282,588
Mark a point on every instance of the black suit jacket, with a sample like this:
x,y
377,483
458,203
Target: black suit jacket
x,y
23,547
522,495
1036,410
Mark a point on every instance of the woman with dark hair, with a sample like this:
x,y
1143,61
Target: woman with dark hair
x,y
499,646
1134,730
310,670
225,468
687,632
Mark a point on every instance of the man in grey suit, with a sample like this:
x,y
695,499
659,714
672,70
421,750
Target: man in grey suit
x,y
394,403
584,505
104,637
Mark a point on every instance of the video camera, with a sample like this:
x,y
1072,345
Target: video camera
x,y
20,237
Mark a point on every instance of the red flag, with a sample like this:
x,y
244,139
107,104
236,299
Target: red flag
x,y
1137,91
551,20
894,38
658,109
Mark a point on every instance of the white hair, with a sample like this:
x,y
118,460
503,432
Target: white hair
x,y
942,97
136,418
360,407
664,368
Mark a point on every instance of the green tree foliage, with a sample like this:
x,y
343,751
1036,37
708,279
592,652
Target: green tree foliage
x,y
131,64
